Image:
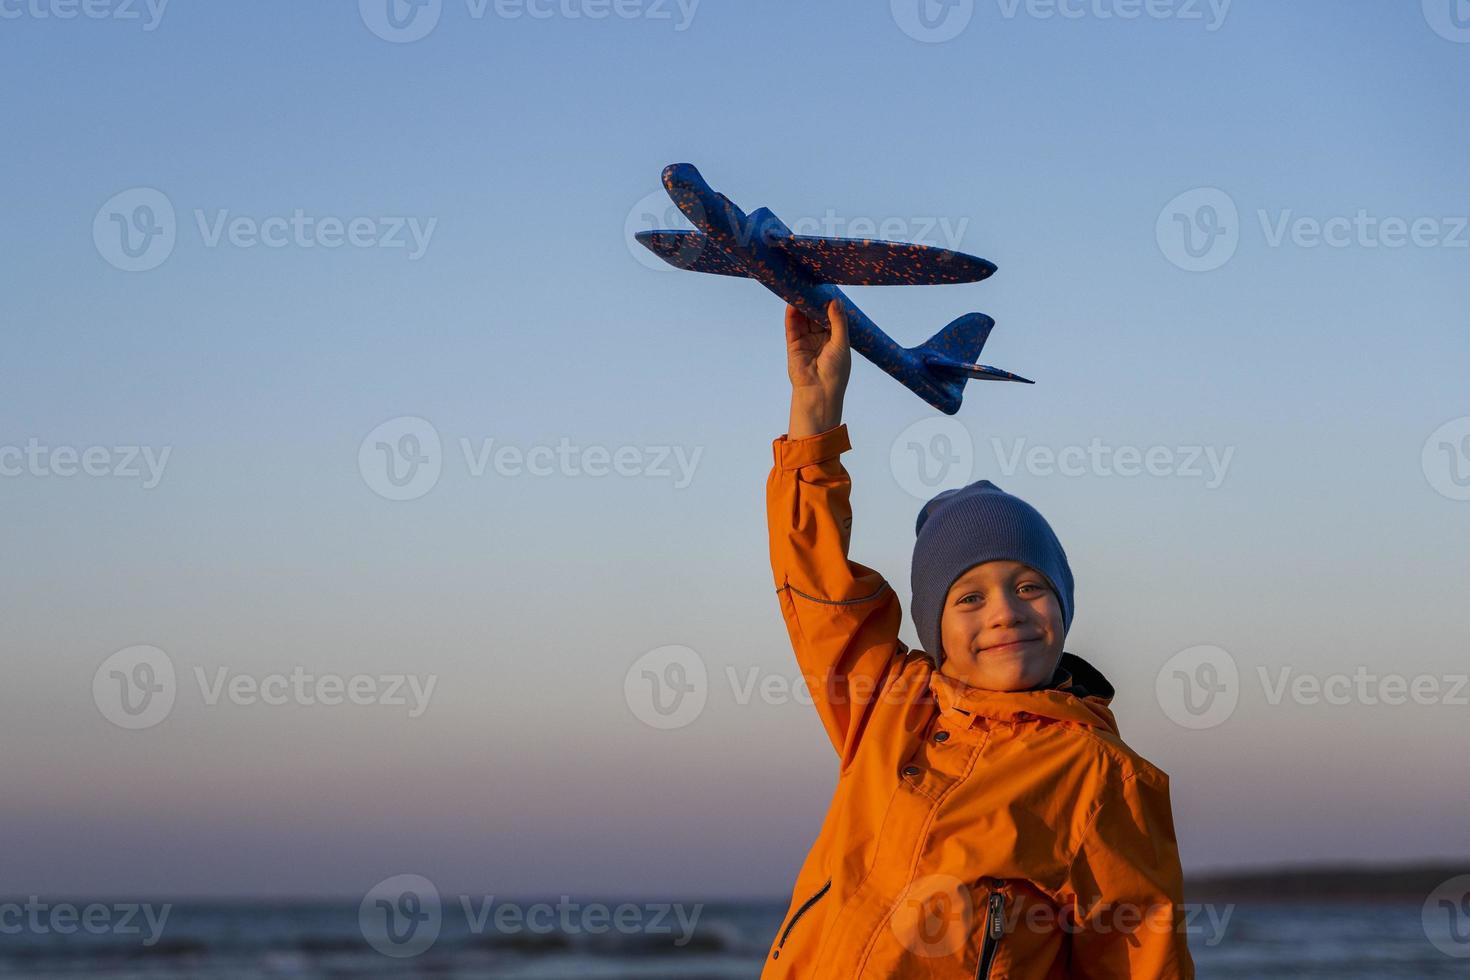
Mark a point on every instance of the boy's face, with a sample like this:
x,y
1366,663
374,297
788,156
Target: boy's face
x,y
1001,627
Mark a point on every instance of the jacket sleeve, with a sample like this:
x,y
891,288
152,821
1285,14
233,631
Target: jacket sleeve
x,y
842,617
1128,887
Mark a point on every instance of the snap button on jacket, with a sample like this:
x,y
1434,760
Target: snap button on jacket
x,y
972,833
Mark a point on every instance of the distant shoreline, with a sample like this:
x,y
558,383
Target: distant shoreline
x,y
1323,883
1326,882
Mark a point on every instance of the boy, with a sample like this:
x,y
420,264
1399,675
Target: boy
x,y
988,821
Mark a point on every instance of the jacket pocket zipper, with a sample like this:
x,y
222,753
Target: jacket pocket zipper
x,y
798,914
994,929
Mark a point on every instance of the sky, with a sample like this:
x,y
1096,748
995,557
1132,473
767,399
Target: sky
x,y
355,464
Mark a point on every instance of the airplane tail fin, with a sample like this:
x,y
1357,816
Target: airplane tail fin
x,y
949,356
960,340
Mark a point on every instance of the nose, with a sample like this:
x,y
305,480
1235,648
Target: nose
x,y
1006,611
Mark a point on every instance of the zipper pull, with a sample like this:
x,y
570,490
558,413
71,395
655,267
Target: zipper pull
x,y
997,906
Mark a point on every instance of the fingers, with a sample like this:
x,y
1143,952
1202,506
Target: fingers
x,y
799,325
837,319
795,328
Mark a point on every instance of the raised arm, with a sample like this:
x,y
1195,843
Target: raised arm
x,y
843,618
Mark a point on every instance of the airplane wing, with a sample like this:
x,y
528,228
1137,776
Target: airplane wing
x,y
840,261
690,250
871,262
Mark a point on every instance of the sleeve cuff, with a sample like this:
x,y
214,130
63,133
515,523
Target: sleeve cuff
x,y
792,454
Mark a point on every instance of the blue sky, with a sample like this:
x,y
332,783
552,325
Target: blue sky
x,y
1070,150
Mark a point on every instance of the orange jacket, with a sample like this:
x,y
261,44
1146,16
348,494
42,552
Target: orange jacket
x,y
972,833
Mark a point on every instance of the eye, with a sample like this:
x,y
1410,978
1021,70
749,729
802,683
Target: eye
x,y
1033,586
967,597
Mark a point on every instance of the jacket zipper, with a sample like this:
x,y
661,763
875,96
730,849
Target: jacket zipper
x,y
994,929
798,914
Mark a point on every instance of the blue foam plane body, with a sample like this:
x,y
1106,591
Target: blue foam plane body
x,y
805,271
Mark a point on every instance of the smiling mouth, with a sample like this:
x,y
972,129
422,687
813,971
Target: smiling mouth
x,y
1007,646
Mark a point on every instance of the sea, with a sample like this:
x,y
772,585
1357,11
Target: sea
x,y
329,939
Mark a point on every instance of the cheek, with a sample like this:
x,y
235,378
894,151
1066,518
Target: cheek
x,y
1049,611
954,623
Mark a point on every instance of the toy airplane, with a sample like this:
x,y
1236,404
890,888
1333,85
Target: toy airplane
x,y
804,270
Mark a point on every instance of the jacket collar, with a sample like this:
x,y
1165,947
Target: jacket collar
x,y
1077,693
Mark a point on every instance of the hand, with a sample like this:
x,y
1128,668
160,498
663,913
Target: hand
x,y
818,361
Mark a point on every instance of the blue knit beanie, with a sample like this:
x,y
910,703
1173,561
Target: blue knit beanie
x,y
964,527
